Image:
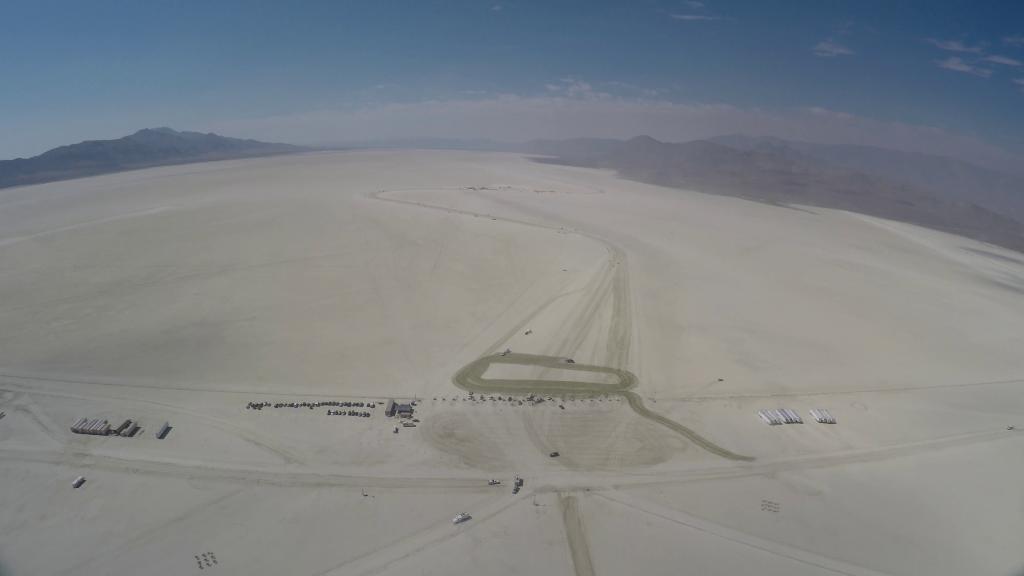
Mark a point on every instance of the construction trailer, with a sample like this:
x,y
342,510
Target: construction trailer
x,y
163,431
77,482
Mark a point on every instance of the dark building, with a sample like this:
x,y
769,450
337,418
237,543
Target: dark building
x,y
396,409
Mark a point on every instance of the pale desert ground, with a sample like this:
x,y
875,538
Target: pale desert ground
x,y
182,293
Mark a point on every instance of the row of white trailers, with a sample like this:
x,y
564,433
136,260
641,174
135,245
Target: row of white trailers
x,y
777,416
101,427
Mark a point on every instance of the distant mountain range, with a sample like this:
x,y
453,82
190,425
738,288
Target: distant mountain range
x,y
145,148
929,191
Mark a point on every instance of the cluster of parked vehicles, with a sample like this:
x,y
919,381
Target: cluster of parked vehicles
x,y
207,558
348,413
310,405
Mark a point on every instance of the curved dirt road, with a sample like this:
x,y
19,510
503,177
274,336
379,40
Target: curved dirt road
x,y
612,282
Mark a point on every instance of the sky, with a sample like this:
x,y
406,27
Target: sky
x,y
929,76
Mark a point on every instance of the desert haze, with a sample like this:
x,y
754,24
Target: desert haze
x,y
208,295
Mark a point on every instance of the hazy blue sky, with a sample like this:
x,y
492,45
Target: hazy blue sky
x,y
937,76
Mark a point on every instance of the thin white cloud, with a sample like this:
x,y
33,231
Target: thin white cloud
x,y
574,88
1019,82
514,118
955,46
830,49
694,17
957,64
1017,40
1004,60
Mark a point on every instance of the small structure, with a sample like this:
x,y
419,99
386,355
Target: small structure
x,y
493,482
124,426
77,482
163,431
461,517
131,430
554,455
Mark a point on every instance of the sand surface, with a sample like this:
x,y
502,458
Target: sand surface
x,y
181,294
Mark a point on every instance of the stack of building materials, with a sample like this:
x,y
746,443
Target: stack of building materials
x,y
823,416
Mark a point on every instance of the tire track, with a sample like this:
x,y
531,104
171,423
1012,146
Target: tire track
x,y
576,535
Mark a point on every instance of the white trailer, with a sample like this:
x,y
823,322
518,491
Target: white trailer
x,y
77,483
823,416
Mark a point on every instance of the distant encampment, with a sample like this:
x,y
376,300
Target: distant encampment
x,y
931,191
143,149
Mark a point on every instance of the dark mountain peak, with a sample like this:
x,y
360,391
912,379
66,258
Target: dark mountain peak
x,y
144,148
158,130
644,140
